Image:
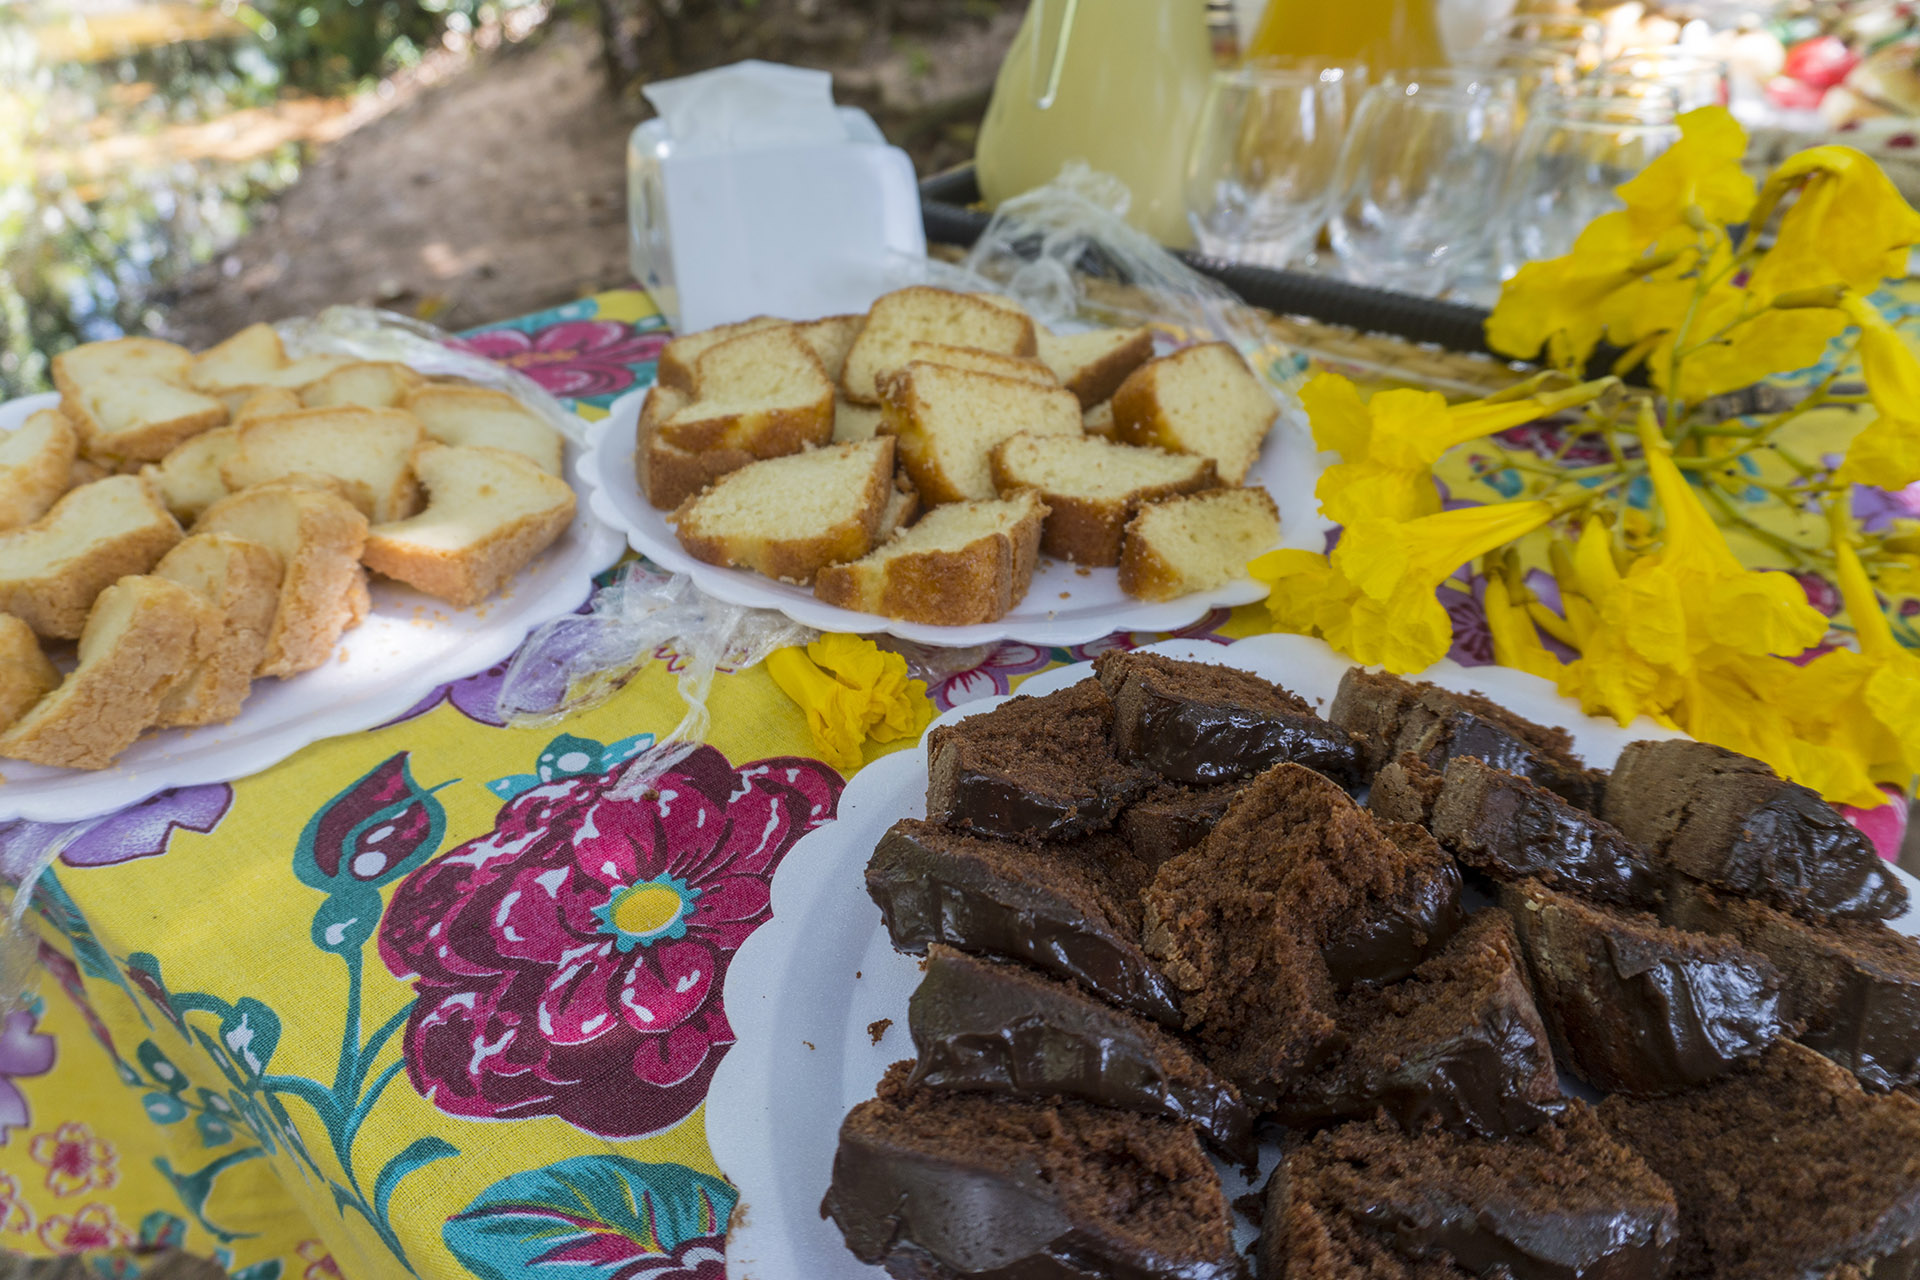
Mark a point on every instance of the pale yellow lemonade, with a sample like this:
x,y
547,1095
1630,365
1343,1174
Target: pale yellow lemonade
x,y
1116,83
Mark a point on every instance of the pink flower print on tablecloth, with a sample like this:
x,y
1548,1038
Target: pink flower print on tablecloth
x,y
320,1263
569,962
16,1215
575,359
94,1229
75,1160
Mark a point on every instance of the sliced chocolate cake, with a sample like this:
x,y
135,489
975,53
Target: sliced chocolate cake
x,y
1566,1202
994,1027
1404,791
1727,820
1203,724
1071,908
1506,827
938,1185
1032,768
1459,1044
1784,1170
1170,817
1637,1007
1382,938
1388,716
1855,984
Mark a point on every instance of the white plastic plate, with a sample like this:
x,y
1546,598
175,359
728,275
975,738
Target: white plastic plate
x,y
409,645
1065,606
804,991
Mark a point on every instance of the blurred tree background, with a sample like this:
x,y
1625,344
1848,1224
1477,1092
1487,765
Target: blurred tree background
x,y
142,141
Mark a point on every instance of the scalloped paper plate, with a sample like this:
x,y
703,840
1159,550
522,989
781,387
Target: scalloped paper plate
x,y
409,645
818,997
1063,607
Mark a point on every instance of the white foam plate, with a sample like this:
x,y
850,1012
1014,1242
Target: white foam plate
x,y
409,645
803,991
1063,607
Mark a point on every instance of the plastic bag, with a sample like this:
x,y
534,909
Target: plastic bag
x,y
369,334
580,660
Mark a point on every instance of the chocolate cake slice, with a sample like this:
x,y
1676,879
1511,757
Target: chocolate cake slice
x,y
1388,716
1202,724
1458,1044
1169,818
1855,984
1405,790
938,1185
1238,922
1634,1006
1784,1170
1384,937
1729,821
1031,768
984,1025
1069,908
1566,1202
1506,827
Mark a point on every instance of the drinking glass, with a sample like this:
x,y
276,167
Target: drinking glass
x,y
1585,38
1574,151
1696,81
1533,66
1261,169
1415,174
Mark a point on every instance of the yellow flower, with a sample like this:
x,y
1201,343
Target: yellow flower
x,y
1515,641
1892,693
1850,224
1887,452
1702,171
1736,339
1558,303
1389,444
1310,596
1381,557
862,692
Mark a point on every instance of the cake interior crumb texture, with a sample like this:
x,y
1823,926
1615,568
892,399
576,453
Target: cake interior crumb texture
x,y
1055,746
1196,542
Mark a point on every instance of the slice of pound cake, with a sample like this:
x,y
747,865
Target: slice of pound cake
x,y
51,570
963,563
1176,546
240,581
949,420
1092,365
36,462
790,517
1092,487
26,675
923,314
1202,399
764,392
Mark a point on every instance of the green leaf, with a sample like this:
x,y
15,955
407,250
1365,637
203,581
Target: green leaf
x,y
419,1152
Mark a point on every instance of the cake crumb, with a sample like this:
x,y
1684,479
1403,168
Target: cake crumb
x,y
807,1043
1083,570
878,1028
1066,595
856,973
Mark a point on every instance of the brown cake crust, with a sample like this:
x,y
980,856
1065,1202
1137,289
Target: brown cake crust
x,y
1634,1006
1385,938
1032,768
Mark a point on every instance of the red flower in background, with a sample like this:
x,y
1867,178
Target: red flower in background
x,y
575,359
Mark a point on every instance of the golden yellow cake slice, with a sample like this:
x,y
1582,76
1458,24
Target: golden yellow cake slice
x,y
675,367
668,474
1098,421
763,392
240,581
947,422
266,402
1019,368
130,400
1092,487
375,384
831,339
853,422
370,451
963,563
1196,543
1092,365
925,314
141,637
483,416
319,537
188,480
36,463
51,570
790,517
254,358
26,675
489,512
1201,399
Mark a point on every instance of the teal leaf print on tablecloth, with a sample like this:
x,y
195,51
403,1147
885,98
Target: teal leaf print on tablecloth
x,y
599,1217
570,757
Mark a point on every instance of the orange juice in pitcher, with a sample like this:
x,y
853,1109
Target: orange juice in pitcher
x,y
1387,35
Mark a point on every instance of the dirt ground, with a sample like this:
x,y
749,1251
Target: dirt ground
x,y
503,190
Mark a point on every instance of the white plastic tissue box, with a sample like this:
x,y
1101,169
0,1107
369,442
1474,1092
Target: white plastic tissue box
x,y
753,194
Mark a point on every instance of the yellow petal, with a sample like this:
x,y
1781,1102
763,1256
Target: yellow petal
x,y
1339,417
1703,170
1378,556
1850,224
836,714
1362,490
1515,642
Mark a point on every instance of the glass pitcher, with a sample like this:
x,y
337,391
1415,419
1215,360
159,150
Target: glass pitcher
x,y
1117,83
1387,35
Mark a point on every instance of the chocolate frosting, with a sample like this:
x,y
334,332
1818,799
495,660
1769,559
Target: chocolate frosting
x,y
1797,851
933,1217
1462,733
1391,938
1532,1244
1483,1080
981,1025
1202,744
928,893
993,804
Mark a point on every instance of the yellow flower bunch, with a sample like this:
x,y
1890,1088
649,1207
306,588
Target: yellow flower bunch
x,y
1704,283
851,690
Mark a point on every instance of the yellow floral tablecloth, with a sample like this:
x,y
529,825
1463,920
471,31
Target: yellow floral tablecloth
x,y
429,999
